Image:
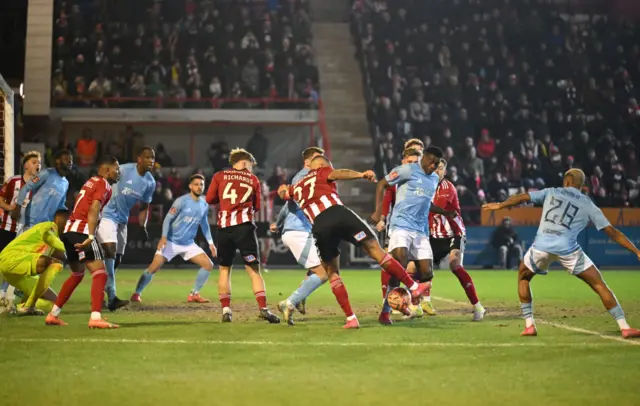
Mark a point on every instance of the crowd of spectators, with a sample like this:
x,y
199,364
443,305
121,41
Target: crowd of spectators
x,y
172,50
514,91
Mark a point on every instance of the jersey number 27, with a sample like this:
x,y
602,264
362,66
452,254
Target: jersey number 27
x,y
297,192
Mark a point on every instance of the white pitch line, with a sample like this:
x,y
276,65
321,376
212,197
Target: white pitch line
x,y
293,343
558,325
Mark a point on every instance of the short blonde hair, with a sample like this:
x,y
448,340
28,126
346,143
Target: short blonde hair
x,y
29,155
414,141
577,176
240,154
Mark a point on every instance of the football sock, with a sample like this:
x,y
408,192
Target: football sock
x,y
396,270
340,292
225,300
261,298
310,272
307,287
110,265
143,281
467,283
44,305
527,313
98,282
385,277
66,291
201,279
44,281
618,314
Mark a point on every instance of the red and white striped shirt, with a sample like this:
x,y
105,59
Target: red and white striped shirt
x,y
9,193
238,193
315,193
447,199
96,188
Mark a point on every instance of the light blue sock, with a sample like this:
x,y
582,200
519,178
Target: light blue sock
x,y
201,279
306,289
144,280
616,312
110,288
4,286
527,310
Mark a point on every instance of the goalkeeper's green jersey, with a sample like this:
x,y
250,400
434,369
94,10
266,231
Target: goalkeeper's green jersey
x,y
35,240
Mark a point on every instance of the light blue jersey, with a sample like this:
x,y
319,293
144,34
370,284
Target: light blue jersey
x,y
48,195
130,189
565,213
415,192
291,218
181,224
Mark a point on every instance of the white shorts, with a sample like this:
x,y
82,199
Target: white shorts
x,y
539,261
416,243
303,247
111,232
187,252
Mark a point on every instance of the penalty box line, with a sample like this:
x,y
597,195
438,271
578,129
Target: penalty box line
x,y
557,325
293,344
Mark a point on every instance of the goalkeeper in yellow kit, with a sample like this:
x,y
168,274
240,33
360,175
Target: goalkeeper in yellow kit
x,y
32,260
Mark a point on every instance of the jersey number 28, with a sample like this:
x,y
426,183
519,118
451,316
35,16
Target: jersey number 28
x,y
568,214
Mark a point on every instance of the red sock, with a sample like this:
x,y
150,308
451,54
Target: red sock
x,y
385,277
340,292
467,283
68,287
225,300
98,282
261,298
396,270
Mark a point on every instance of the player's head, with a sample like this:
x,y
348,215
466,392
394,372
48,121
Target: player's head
x,y
310,153
63,161
574,178
319,161
60,219
242,159
196,184
109,168
410,156
442,169
415,144
31,163
147,158
431,159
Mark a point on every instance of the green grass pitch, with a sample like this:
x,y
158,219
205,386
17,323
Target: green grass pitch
x,y
168,352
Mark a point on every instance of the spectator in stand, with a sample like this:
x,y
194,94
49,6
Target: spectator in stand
x,y
472,164
162,157
258,146
506,241
532,171
176,183
86,149
512,169
486,145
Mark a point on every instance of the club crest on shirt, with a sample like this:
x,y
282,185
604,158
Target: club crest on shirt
x,y
360,236
173,210
393,175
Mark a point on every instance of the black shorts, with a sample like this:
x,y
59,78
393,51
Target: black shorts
x,y
336,224
6,237
92,252
441,247
241,237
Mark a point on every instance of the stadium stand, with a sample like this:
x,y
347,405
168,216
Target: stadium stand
x,y
182,54
515,92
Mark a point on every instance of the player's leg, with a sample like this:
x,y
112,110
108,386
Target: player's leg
x,y
47,268
145,278
67,289
455,265
98,282
587,271
265,249
110,236
503,253
534,262
196,255
330,255
226,253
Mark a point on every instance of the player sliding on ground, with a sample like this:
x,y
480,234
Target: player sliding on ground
x,y
565,213
82,248
409,241
179,230
237,191
296,235
317,197
24,263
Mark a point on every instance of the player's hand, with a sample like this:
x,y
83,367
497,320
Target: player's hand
x,y
273,228
214,251
283,192
15,213
369,175
450,213
380,226
162,243
82,245
376,217
145,234
491,206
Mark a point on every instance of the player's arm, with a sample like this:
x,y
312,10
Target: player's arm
x,y
348,174
31,187
212,192
168,219
456,223
439,210
3,199
257,194
512,201
206,231
398,174
282,215
92,223
51,238
618,237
